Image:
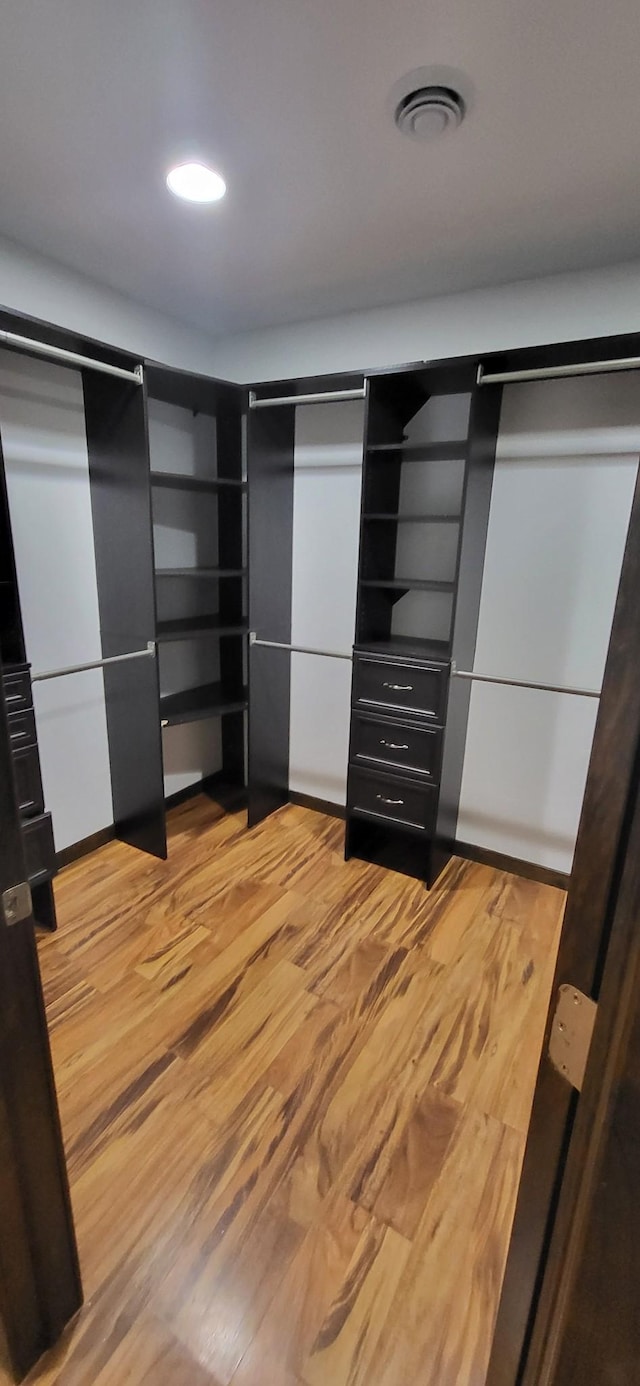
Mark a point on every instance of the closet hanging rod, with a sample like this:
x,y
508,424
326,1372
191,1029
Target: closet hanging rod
x,y
296,649
523,683
623,363
95,664
328,397
68,358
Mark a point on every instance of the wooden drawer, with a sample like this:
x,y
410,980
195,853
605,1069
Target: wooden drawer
x,y
411,747
39,848
395,800
26,770
418,688
17,688
22,729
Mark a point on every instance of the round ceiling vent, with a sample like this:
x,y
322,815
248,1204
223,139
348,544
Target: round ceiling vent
x,y
429,111
430,101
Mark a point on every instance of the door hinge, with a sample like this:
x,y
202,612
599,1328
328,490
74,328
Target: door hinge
x,y
16,903
571,1032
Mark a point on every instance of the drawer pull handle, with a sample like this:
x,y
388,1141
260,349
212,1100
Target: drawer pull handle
x,y
399,687
14,697
388,801
395,745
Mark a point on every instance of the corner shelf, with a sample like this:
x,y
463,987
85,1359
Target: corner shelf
x,y
183,482
198,627
201,572
409,584
195,704
406,519
452,451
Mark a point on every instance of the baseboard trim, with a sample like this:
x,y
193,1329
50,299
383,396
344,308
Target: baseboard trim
x,y
67,855
319,805
544,874
191,791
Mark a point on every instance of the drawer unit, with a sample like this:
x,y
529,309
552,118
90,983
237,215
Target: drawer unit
x,y
409,747
28,781
392,799
17,688
406,687
22,729
39,849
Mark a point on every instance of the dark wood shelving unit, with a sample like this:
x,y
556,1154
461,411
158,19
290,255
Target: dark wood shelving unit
x,y
204,649
425,507
196,704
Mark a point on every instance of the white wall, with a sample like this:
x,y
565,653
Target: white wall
x,y
39,287
593,303
43,434
45,451
565,472
326,520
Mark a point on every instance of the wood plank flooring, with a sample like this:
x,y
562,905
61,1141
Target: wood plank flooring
x,y
294,1094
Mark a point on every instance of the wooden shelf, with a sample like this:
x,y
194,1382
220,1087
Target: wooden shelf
x,y
201,572
409,584
195,704
400,519
455,450
197,627
436,651
181,481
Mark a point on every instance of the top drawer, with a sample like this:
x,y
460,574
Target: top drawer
x,y
420,688
17,688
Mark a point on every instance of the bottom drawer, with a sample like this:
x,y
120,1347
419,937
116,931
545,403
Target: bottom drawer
x,y
26,770
385,797
39,849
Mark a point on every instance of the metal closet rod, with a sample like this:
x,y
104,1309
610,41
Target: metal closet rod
x,y
69,358
524,683
623,363
326,397
296,649
95,664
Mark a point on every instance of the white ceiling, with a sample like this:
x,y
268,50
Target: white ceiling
x,y
328,207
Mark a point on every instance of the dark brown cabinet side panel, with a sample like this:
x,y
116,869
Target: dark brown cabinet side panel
x,y
121,509
484,420
600,846
270,451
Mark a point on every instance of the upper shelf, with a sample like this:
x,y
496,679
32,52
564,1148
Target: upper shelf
x,y
198,628
182,482
422,452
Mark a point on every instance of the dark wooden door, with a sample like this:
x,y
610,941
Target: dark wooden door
x,y
39,1276
601,850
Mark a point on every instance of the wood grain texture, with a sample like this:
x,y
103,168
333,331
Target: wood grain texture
x,y
294,1094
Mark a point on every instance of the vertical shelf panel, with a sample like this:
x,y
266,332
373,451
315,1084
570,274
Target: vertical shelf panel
x,y
121,509
270,448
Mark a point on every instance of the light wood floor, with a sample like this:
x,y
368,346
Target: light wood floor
x,y
294,1094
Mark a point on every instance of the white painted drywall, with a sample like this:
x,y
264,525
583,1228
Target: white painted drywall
x,y
45,451
326,520
563,485
560,308
31,284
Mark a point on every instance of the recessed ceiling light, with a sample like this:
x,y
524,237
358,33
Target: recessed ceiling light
x,y
196,183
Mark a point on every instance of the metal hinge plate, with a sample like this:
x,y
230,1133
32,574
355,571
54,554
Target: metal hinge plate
x,y
16,903
571,1033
